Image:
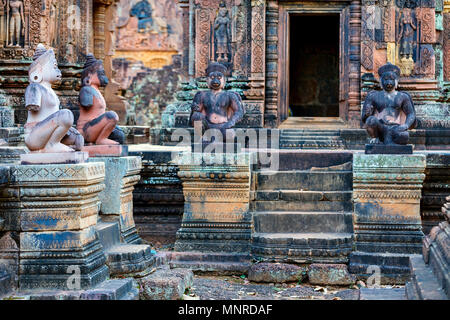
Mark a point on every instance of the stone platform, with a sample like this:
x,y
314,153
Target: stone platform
x,y
387,222
53,158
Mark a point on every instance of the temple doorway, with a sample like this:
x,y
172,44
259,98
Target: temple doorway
x,y
314,65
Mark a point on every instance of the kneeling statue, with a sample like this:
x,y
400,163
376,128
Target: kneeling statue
x,y
388,114
48,129
216,108
97,125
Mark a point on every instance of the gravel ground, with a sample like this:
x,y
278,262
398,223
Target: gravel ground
x,y
236,288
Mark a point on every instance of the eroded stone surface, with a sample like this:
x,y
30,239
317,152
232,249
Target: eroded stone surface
x,y
165,284
330,274
276,272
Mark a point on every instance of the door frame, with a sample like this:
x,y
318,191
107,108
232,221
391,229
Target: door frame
x,y
286,10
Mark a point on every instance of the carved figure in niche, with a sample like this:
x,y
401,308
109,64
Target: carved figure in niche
x,y
406,34
388,114
2,22
47,129
222,39
53,23
143,11
97,125
216,108
16,22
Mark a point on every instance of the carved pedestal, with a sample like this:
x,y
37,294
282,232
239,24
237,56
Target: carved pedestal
x,y
216,216
387,222
122,173
53,209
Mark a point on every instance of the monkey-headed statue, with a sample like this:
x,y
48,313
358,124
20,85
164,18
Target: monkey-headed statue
x,y
48,129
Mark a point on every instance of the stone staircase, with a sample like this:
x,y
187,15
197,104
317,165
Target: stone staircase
x,y
311,139
430,272
123,258
302,213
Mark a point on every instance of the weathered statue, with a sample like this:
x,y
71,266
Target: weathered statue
x,y
48,129
16,22
388,114
216,108
222,34
2,22
143,11
97,125
406,34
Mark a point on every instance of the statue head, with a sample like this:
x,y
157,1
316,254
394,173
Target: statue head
x,y
389,75
44,67
93,72
223,11
216,76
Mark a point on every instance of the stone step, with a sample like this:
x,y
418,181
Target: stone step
x,y
165,284
302,196
284,205
286,222
113,289
303,247
305,180
439,260
306,159
424,284
129,258
311,144
211,262
382,294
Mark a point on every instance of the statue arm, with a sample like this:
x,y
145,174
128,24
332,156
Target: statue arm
x,y
408,109
33,97
196,106
21,15
86,97
237,106
368,108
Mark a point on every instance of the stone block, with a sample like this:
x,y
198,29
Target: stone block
x,y
276,273
53,158
122,173
330,274
165,284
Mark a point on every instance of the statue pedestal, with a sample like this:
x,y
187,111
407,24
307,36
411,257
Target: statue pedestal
x,y
389,149
54,158
106,150
54,209
122,173
216,215
387,222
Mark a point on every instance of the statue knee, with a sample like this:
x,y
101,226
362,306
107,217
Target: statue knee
x,y
65,118
112,117
372,122
401,137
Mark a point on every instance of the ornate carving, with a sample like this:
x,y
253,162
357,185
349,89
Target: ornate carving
x,y
427,18
446,46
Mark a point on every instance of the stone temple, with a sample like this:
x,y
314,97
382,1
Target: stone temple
x,y
147,143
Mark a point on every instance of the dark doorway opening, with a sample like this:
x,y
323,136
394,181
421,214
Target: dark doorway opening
x,y
314,66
